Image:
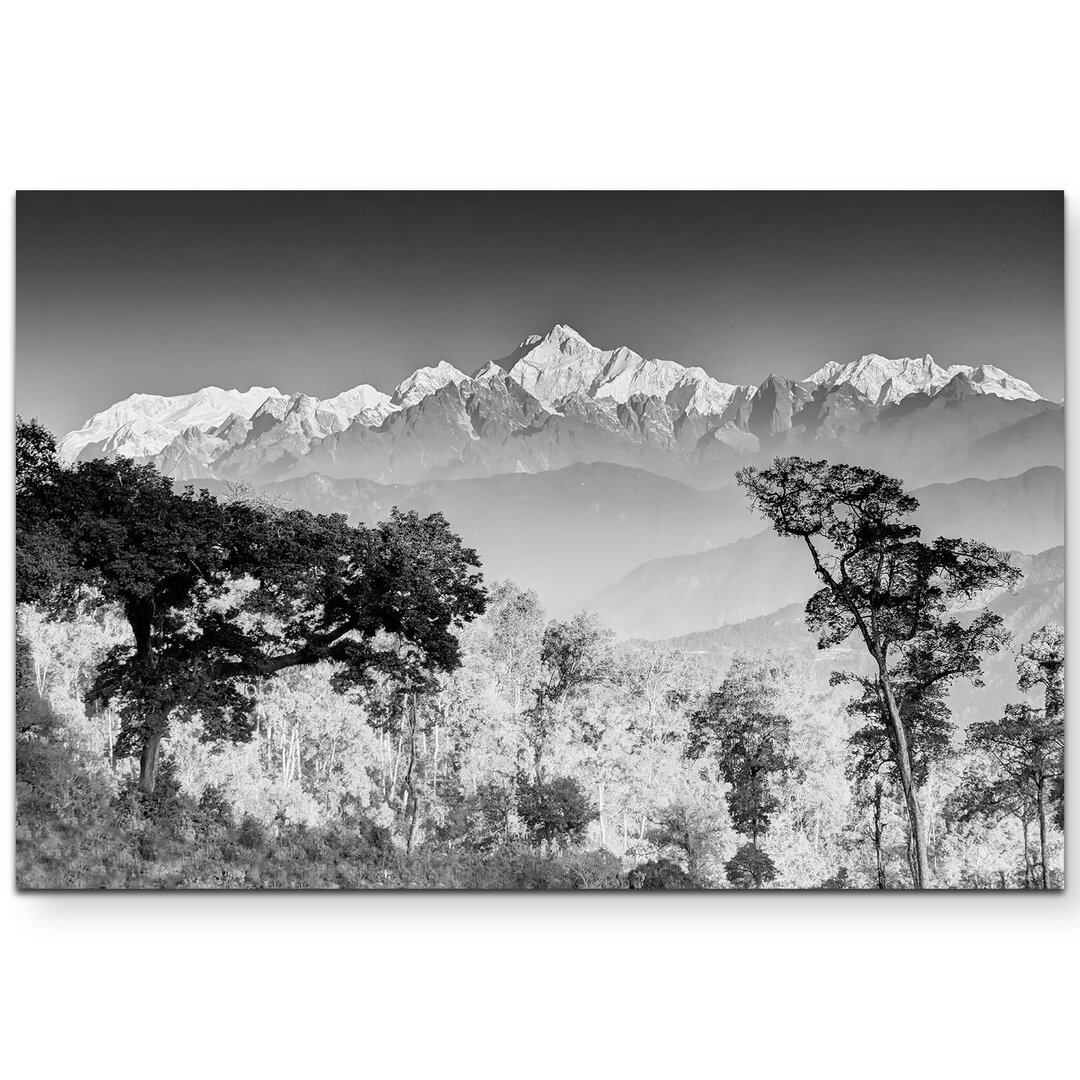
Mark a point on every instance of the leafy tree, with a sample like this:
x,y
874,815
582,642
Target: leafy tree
x,y
1024,748
741,725
991,795
839,880
41,556
514,621
573,655
659,874
1021,771
1042,663
928,726
750,868
694,828
880,581
555,812
218,596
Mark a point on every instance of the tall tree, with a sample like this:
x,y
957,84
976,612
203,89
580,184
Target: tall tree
x,y
880,581
573,655
928,726
1024,748
741,725
988,793
1042,663
220,595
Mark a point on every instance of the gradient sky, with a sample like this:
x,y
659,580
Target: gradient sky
x,y
118,293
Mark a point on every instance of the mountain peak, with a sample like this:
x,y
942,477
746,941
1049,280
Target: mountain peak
x,y
490,370
424,381
563,331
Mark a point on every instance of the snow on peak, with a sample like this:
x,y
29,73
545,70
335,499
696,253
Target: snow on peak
x,y
363,399
885,381
559,364
424,381
987,379
564,363
144,424
490,370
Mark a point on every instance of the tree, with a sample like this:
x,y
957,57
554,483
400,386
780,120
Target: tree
x,y
991,795
1042,663
554,812
880,581
218,596
573,655
1025,749
750,868
514,621
41,556
928,727
659,874
741,726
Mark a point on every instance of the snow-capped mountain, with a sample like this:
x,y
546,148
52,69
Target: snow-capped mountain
x,y
557,400
424,381
563,363
363,400
888,382
145,424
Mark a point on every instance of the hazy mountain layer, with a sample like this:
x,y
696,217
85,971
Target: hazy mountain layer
x,y
735,582
565,533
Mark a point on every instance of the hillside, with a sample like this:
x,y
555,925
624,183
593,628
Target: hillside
x,y
756,576
564,533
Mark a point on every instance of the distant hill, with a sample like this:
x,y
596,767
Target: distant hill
x,y
667,597
1017,513
1038,600
756,576
565,533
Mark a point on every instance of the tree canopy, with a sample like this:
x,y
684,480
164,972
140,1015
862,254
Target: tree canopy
x,y
901,595
220,593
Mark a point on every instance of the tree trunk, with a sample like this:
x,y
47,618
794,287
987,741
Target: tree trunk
x,y
921,865
1027,854
148,763
1042,834
435,766
412,801
878,834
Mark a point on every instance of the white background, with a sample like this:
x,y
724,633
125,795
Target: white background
x,y
772,95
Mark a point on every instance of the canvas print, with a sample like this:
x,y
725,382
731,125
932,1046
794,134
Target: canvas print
x,y
540,540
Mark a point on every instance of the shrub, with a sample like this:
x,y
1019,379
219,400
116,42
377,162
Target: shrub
x,y
659,874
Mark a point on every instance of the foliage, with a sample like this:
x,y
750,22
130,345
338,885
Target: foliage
x,y
898,593
555,811
659,874
220,594
444,747
741,726
750,868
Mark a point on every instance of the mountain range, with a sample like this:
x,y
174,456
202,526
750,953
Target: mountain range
x,y
555,401
606,480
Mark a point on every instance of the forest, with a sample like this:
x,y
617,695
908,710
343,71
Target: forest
x,y
226,692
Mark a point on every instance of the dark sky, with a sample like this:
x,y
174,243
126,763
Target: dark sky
x,y
169,292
